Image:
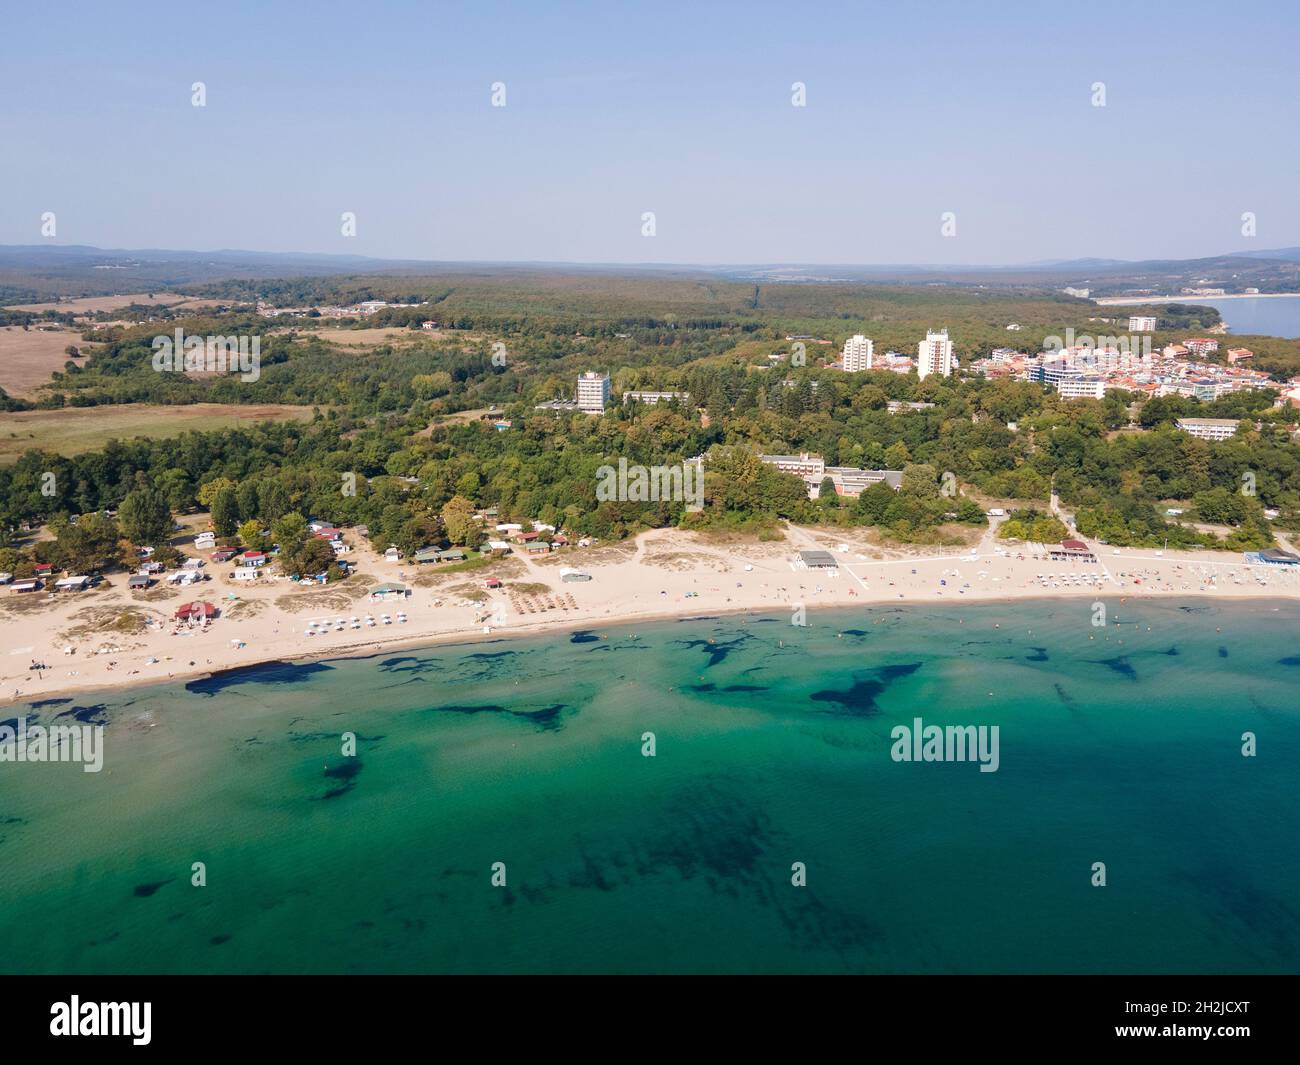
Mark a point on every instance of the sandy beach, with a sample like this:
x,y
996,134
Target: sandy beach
x,y
111,638
1124,301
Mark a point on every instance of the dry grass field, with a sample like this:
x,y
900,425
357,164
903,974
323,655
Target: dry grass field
x,y
90,304
29,356
371,338
76,429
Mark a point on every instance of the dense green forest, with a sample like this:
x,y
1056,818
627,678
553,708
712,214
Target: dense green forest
x,y
384,421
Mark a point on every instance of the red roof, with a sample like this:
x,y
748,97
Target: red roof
x,y
1074,545
253,554
43,567
206,609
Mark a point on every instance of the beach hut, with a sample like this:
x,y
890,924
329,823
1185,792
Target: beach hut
x,y
452,554
197,611
72,584
252,559
390,590
392,555
138,581
427,554
31,585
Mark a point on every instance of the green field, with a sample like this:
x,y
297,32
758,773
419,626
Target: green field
x,y
74,430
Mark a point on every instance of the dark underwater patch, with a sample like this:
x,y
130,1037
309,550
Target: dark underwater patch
x,y
409,664
1223,652
860,699
1173,652
346,772
1290,660
546,718
144,891
278,672
584,636
717,650
1039,655
1060,694
1120,664
88,715
216,941
41,704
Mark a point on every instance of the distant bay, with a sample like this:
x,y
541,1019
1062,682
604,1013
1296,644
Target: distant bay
x,y
1275,316
1119,745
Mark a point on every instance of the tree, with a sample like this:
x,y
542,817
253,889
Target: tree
x,y
458,517
897,456
145,516
89,545
315,557
250,534
225,510
207,493
290,532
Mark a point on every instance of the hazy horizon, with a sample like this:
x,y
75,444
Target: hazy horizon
x,y
679,110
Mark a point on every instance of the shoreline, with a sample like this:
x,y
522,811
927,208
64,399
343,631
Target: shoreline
x,y
362,651
664,574
1123,301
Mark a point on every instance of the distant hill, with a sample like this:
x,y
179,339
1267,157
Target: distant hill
x,y
35,272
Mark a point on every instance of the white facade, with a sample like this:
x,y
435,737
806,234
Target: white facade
x,y
804,465
1208,428
593,392
857,354
934,355
1080,387
651,398
1141,323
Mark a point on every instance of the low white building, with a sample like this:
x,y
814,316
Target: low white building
x,y
1209,428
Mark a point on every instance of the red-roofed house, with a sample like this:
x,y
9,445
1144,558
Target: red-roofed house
x,y
200,610
252,558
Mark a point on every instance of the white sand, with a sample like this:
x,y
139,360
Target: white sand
x,y
647,579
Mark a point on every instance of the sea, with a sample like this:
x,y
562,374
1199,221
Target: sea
x,y
1275,316
711,795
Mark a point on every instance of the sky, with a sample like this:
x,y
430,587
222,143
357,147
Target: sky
x,y
979,110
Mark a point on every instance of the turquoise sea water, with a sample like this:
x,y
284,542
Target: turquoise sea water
x,y
1119,745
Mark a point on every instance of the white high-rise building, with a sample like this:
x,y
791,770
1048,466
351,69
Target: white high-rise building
x,y
593,392
1141,323
857,354
934,355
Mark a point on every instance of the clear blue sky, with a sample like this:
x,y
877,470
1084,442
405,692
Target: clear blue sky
x,y
683,109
